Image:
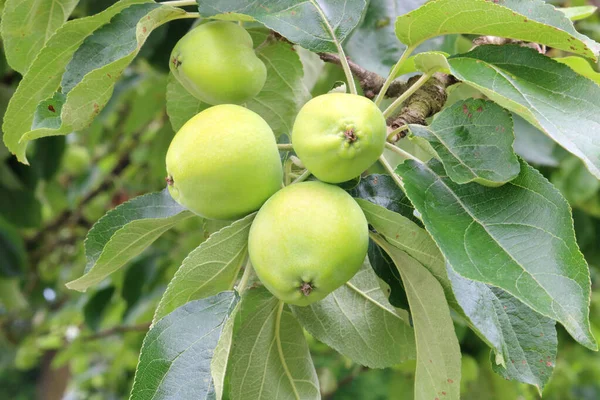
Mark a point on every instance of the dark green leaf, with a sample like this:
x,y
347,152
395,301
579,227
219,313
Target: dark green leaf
x,y
20,207
386,270
47,156
12,250
125,232
373,44
532,144
383,191
524,341
518,237
177,351
93,311
314,24
548,94
474,140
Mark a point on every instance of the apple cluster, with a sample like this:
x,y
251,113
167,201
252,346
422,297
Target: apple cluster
x,y
307,238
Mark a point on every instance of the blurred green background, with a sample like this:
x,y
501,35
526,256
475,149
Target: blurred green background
x,y
56,343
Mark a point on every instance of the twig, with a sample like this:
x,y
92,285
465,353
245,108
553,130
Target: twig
x,y
370,82
117,330
424,103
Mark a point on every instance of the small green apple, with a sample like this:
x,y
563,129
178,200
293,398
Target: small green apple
x,y
338,136
76,160
224,163
216,63
308,240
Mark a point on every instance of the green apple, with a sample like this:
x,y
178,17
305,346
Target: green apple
x,y
76,160
338,136
224,163
216,63
307,240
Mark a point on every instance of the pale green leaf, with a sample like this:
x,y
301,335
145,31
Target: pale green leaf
x,y
574,181
89,78
125,232
43,78
524,341
548,94
532,144
358,321
438,352
314,24
474,140
177,351
527,20
409,237
211,268
581,66
218,365
579,13
27,25
518,237
269,357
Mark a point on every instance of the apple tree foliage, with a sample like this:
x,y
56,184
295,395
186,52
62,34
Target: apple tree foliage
x,y
493,109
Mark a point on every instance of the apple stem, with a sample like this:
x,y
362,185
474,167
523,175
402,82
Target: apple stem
x,y
386,85
398,102
306,288
302,177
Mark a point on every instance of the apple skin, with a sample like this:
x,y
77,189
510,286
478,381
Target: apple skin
x,y
217,64
338,136
224,163
307,240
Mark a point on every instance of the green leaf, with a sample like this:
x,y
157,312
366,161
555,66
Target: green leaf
x,y
95,308
386,270
27,25
10,294
20,207
269,357
284,93
382,190
90,76
532,144
581,66
12,250
527,20
551,96
177,351
524,341
211,268
125,232
42,79
578,13
357,321
518,237
314,24
574,181
181,105
373,44
278,102
474,140
409,237
438,352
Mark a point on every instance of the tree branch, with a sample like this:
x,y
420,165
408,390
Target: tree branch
x,y
370,82
117,330
426,101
